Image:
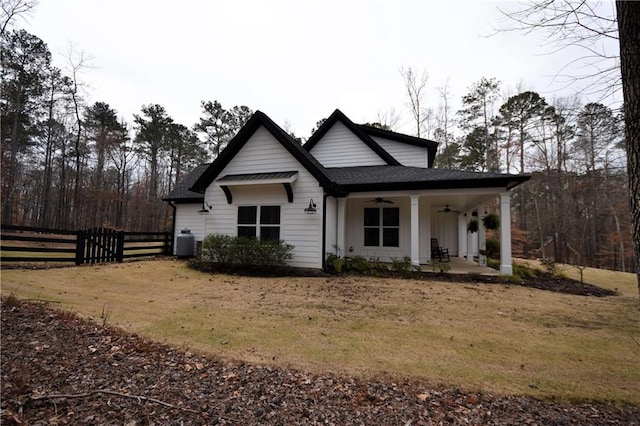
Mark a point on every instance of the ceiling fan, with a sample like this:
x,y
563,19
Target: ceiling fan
x,y
447,209
379,200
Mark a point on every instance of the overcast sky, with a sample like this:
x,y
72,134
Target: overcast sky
x,y
294,60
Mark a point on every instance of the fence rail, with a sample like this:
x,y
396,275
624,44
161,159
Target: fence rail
x,y
95,245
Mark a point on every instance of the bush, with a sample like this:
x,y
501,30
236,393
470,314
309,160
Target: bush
x,y
226,250
440,267
521,271
403,266
358,264
493,248
216,249
334,263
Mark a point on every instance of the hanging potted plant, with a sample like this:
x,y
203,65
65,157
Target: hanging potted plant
x,y
472,226
491,221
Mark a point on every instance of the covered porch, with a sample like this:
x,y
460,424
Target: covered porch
x,y
460,265
408,220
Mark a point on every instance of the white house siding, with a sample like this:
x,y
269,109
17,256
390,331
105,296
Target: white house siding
x,y
262,153
187,217
339,147
407,155
444,227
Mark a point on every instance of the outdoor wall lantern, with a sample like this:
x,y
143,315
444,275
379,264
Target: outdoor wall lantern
x,y
206,207
312,208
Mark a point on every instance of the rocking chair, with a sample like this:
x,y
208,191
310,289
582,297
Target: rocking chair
x,y
437,252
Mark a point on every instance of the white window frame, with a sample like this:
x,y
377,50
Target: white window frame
x,y
257,225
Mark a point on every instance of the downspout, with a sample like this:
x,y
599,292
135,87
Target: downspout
x,y
173,232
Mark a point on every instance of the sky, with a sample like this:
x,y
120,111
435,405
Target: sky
x,y
296,61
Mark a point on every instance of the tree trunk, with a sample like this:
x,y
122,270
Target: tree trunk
x,y
8,204
629,33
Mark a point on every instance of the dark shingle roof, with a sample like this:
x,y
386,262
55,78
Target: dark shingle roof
x,y
181,192
376,178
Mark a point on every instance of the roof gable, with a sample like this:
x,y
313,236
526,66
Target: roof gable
x,y
431,146
259,119
338,116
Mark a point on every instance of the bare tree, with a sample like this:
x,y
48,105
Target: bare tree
x,y
588,27
77,62
416,90
592,27
389,118
12,9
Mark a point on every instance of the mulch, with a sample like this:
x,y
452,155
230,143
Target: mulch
x,y
59,369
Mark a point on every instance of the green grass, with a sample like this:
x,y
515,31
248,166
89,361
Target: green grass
x,y
494,338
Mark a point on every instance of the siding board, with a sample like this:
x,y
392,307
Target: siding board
x,y
339,147
406,154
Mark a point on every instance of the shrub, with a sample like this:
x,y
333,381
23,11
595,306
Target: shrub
x,y
334,263
440,267
216,249
226,250
377,266
358,264
493,248
403,266
521,271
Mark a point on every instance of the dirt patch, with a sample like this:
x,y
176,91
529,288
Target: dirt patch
x,y
61,369
542,280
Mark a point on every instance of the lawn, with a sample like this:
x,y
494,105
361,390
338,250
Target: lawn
x,y
492,338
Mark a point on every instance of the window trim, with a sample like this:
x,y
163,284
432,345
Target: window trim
x,y
380,227
258,225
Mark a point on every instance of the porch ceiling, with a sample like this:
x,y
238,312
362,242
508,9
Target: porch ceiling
x,y
463,201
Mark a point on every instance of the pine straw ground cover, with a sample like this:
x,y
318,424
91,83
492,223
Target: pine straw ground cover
x,y
308,350
60,369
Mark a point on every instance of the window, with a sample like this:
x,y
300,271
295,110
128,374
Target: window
x,y
382,225
263,222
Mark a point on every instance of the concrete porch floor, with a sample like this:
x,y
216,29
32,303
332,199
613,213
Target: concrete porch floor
x,y
460,265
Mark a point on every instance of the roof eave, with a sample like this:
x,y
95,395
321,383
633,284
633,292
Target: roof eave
x,y
507,182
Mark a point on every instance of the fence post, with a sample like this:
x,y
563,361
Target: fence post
x,y
120,247
168,243
80,239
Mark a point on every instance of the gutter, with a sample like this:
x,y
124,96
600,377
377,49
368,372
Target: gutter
x,y
324,231
173,232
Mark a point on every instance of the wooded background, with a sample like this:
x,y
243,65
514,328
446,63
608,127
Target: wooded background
x,y
70,164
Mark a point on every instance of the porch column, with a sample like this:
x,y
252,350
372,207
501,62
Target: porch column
x,y
505,234
341,238
427,231
482,238
462,236
470,236
415,230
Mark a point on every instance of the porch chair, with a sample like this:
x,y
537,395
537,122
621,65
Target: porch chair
x,y
437,252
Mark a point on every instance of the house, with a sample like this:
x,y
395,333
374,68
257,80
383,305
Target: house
x,y
353,188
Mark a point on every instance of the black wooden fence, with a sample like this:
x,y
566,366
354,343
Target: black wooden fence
x,y
96,245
